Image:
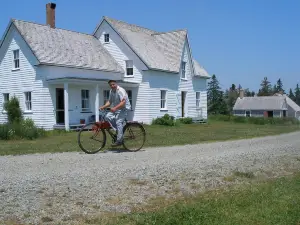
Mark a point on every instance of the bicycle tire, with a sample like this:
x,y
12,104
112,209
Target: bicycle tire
x,y
128,125
99,130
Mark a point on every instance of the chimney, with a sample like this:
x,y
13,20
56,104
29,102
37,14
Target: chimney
x,y
241,93
280,92
50,14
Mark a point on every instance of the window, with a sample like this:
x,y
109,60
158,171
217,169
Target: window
x,y
16,59
106,38
183,75
5,98
28,104
247,113
105,96
129,93
197,99
85,100
129,67
163,99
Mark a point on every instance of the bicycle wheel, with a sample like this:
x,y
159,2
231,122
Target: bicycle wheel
x,y
91,139
134,137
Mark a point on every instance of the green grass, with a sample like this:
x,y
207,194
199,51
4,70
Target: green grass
x,y
156,136
269,202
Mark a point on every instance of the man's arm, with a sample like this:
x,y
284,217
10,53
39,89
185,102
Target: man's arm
x,y
107,104
120,105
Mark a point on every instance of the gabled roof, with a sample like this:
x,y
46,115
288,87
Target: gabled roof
x,y
66,48
199,70
157,50
290,102
261,103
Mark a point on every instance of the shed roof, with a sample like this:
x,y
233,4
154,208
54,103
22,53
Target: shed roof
x,y
261,103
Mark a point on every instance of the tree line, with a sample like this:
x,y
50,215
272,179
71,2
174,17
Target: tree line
x,y
222,102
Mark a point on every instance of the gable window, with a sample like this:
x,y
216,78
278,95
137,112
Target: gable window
x,y
163,99
183,67
5,99
106,38
197,99
129,93
129,67
85,100
28,103
16,59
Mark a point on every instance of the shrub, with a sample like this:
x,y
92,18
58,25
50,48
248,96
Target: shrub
x,y
186,120
255,120
166,120
14,113
26,129
17,127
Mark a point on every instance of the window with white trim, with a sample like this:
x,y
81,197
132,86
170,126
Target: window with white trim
x,y
106,38
5,99
16,54
105,96
85,100
197,99
129,93
163,99
183,67
129,67
28,103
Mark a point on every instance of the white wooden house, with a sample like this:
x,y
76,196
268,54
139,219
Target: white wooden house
x,y
60,76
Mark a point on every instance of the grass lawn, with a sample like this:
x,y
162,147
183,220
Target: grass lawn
x,y
268,202
156,136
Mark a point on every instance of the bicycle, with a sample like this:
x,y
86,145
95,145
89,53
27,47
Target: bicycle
x,y
102,127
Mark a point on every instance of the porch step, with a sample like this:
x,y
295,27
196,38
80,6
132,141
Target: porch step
x,y
199,120
73,127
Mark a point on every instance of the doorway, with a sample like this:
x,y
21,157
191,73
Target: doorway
x,y
270,113
183,97
60,106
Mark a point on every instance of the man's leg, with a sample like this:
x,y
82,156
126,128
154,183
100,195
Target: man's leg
x,y
111,118
120,117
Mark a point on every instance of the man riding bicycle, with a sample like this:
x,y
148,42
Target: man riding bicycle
x,y
119,105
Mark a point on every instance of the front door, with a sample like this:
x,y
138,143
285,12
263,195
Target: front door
x,y
60,106
183,96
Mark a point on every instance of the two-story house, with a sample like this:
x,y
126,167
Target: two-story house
x,y
60,76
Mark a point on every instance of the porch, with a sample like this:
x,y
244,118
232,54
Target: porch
x,y
77,101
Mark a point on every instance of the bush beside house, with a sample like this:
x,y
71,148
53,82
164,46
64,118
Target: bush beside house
x,y
17,127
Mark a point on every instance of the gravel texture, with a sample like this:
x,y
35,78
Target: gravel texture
x,y
63,187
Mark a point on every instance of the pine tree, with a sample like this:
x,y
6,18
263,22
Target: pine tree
x,y
291,95
230,97
216,102
266,88
279,86
297,94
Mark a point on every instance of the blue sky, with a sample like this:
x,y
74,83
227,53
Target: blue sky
x,y
240,41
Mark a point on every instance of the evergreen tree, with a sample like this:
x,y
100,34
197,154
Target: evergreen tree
x,y
297,94
279,86
216,101
249,93
230,97
291,95
266,88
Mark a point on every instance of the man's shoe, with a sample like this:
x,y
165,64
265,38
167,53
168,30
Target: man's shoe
x,y
117,143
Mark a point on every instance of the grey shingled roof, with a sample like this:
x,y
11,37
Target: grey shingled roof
x,y
66,48
158,50
260,103
199,70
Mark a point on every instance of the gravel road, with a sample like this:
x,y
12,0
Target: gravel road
x,y
65,186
